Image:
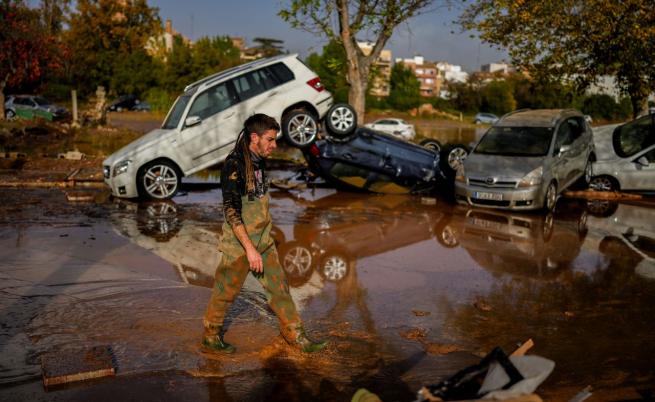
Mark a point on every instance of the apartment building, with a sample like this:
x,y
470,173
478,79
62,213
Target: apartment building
x,y
427,73
380,85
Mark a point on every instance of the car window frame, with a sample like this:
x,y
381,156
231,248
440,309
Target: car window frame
x,y
618,133
231,95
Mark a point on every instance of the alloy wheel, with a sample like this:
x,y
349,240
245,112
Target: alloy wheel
x,y
297,261
302,128
601,183
335,268
160,181
342,118
456,156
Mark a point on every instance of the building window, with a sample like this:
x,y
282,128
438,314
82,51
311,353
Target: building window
x,y
419,71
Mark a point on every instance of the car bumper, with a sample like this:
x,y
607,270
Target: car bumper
x,y
502,198
324,104
123,185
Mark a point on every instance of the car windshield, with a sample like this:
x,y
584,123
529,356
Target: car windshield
x,y
42,101
515,141
176,112
635,136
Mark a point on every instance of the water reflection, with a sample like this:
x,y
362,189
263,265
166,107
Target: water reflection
x,y
533,245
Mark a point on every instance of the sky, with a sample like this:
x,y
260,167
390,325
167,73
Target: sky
x,y
429,35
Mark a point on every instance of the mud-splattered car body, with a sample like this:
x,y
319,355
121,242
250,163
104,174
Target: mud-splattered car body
x,y
376,162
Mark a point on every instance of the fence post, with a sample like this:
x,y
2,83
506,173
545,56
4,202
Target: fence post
x,y
74,96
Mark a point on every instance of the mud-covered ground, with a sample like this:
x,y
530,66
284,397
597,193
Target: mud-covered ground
x,y
407,292
407,289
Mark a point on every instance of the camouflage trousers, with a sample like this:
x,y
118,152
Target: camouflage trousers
x,y
230,275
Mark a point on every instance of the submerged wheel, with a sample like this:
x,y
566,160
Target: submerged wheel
x,y
341,120
603,183
296,259
334,267
158,180
300,128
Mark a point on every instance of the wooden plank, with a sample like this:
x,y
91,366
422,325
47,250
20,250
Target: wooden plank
x,y
77,365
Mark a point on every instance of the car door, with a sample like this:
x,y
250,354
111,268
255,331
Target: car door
x,y
257,94
579,144
561,161
638,172
210,140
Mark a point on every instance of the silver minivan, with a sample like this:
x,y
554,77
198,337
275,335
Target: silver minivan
x,y
526,159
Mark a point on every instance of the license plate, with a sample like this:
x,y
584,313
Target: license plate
x,y
489,196
483,223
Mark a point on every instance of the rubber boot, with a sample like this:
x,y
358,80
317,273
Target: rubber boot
x,y
303,343
213,340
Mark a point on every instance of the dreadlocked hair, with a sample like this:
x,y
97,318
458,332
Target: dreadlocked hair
x,y
258,124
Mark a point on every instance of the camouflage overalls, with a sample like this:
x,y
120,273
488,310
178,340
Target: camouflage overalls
x,y
253,213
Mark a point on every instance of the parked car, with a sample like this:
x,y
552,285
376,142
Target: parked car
x,y
625,156
486,118
377,162
396,127
125,102
31,106
203,123
526,159
141,107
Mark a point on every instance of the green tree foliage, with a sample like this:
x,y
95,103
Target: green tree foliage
x,y
27,49
269,47
211,55
605,107
405,91
331,67
343,21
498,97
580,40
103,34
136,73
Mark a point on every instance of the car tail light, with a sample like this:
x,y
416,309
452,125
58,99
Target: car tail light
x,y
316,84
314,150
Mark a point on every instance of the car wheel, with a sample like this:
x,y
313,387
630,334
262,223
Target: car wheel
x,y
477,122
603,183
453,156
432,145
550,199
582,225
158,180
296,259
334,267
300,128
446,234
341,120
10,114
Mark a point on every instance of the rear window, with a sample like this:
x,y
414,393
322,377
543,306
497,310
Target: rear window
x,y
281,72
515,141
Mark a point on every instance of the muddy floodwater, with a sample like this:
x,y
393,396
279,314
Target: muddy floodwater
x,y
408,290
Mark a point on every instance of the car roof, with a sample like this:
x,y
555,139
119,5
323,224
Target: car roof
x,y
536,117
221,75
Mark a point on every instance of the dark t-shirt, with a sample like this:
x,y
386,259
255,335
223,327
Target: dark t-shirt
x,y
233,184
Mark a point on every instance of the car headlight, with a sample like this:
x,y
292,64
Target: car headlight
x,y
121,167
533,178
460,176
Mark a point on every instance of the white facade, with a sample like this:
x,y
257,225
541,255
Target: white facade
x,y
452,72
497,67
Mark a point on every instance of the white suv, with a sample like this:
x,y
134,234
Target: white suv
x,y
202,126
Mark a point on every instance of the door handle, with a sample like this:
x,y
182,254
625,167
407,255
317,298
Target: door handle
x,y
228,116
272,94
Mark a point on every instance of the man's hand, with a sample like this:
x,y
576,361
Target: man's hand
x,y
254,260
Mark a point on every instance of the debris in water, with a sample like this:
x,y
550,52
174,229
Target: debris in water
x,y
70,366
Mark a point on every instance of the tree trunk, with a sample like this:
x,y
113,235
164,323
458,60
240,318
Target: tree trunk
x,y
639,105
357,93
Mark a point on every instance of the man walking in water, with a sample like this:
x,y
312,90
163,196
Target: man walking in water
x,y
246,242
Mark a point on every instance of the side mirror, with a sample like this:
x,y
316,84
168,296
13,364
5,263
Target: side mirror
x,y
192,121
643,161
564,149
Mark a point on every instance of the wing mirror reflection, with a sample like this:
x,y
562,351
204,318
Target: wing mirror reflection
x,y
643,161
564,149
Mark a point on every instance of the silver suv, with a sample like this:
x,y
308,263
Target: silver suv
x,y
203,124
526,159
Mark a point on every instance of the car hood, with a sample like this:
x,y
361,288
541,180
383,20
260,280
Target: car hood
x,y
480,165
603,141
151,139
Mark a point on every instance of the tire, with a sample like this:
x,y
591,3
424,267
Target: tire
x,y
158,180
300,128
10,114
446,234
603,183
550,198
452,156
602,208
432,145
549,223
334,267
341,120
296,259
477,122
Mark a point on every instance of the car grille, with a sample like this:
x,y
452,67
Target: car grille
x,y
494,203
495,184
